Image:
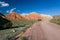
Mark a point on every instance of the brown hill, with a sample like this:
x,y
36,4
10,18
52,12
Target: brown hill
x,y
14,16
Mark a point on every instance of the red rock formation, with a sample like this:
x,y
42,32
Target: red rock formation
x,y
14,16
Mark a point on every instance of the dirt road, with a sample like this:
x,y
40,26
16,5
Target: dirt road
x,y
44,31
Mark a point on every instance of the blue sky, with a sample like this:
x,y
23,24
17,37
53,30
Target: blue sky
x,y
50,7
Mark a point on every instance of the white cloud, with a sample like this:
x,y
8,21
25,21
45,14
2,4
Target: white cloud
x,y
3,4
24,14
12,10
7,11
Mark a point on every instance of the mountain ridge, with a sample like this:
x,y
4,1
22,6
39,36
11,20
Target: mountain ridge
x,y
31,16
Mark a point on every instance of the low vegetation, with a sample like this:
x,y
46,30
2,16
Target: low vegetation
x,y
23,38
22,23
17,27
57,21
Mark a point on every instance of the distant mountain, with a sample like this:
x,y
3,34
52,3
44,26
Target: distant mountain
x,y
31,16
36,16
14,16
46,17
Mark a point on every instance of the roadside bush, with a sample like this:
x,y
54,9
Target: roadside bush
x,y
53,20
39,19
